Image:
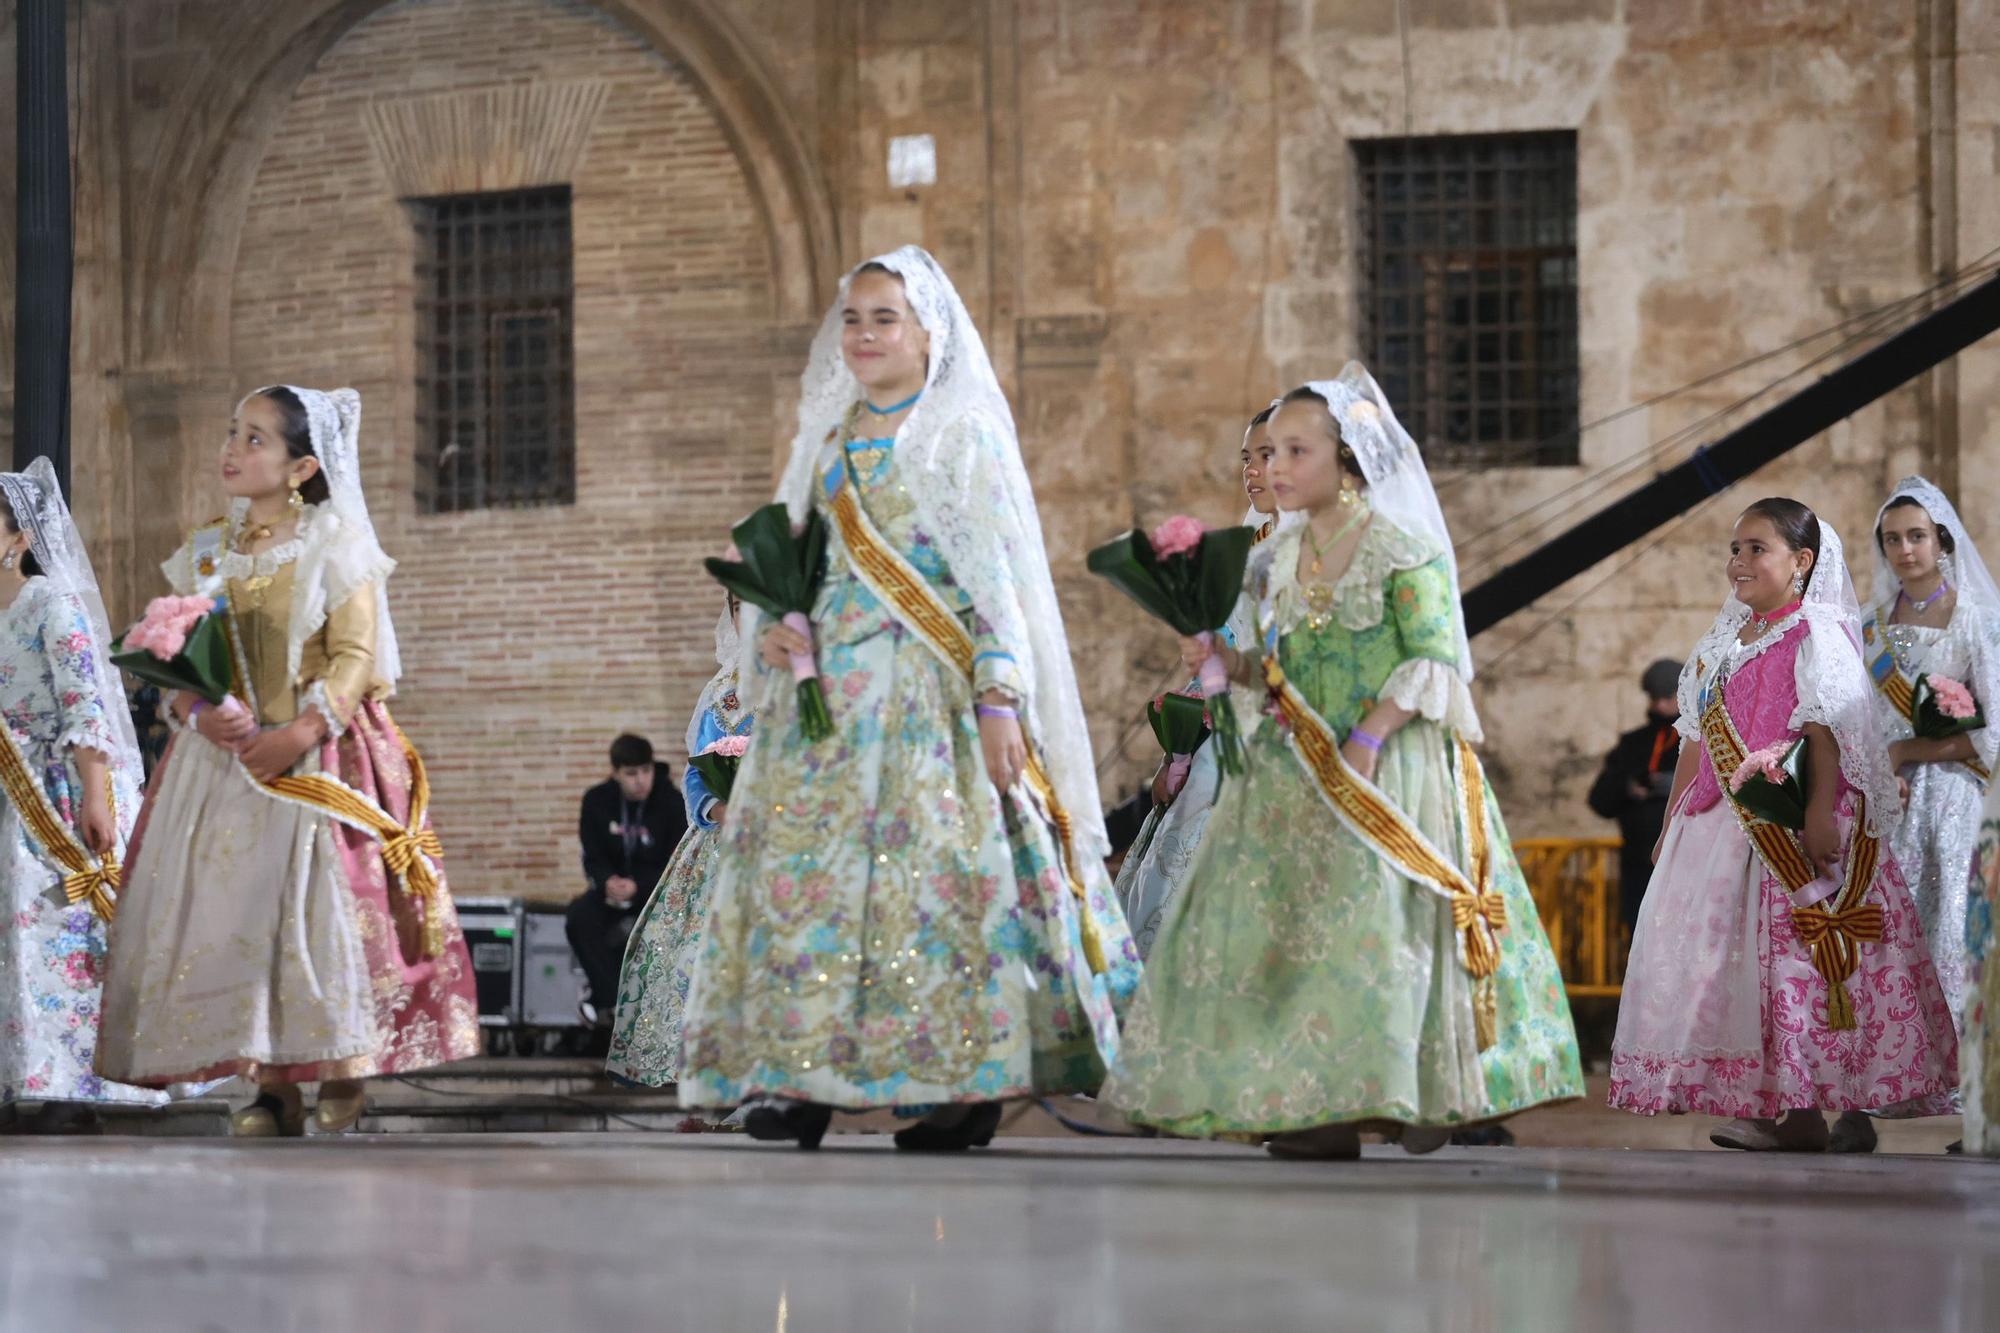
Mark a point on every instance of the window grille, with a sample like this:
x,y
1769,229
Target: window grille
x,y
1469,292
496,386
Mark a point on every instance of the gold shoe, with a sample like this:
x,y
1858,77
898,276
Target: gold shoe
x,y
341,1103
277,1113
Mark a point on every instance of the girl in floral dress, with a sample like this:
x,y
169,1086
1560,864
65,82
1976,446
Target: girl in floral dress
x,y
659,961
1355,946
71,791
285,915
1157,865
1775,974
913,912
1979,1051
1935,612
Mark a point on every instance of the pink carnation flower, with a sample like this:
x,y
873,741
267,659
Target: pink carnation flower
x,y
1953,699
1177,535
730,747
1764,763
164,629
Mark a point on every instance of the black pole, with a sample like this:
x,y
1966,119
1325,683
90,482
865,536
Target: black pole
x,y
42,247
1894,362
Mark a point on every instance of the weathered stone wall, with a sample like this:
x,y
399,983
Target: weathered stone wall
x,y
1147,206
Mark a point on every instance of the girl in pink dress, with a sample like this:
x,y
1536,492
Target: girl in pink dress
x,y
1780,973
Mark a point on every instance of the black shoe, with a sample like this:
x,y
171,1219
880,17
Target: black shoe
x,y
974,1131
803,1121
1486,1136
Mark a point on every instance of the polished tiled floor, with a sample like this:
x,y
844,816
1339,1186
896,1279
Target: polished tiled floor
x,y
707,1232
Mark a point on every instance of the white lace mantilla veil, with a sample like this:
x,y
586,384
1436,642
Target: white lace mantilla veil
x,y
39,509
1969,574
728,656
1838,692
994,553
336,558
1399,485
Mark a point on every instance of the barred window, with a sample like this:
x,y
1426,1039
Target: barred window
x,y
496,388
1468,303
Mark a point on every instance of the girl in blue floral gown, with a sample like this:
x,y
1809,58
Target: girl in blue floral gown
x,y
913,912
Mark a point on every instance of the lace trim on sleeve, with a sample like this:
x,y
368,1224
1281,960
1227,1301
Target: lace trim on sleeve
x,y
1434,690
317,697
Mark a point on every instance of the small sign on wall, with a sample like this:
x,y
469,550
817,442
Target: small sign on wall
x,y
912,161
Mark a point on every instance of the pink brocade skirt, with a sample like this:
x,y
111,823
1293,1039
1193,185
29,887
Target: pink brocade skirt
x,y
259,937
1724,1014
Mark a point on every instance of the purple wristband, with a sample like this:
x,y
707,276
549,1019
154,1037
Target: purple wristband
x,y
1365,741
195,711
996,710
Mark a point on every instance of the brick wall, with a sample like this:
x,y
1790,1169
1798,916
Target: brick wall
x,y
531,637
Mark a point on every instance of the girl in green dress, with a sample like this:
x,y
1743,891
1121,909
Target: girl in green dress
x,y
1355,947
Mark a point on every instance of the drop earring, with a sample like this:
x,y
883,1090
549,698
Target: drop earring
x,y
1798,584
295,502
1349,497
7,560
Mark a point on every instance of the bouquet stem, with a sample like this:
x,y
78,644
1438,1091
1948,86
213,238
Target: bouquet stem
x,y
815,722
1222,716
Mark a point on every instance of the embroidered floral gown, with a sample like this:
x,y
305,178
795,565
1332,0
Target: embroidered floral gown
x,y
52,953
1934,844
660,958
1723,1012
1979,1050
1299,979
257,935
885,929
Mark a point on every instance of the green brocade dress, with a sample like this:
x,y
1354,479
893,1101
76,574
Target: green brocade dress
x,y
885,929
1300,979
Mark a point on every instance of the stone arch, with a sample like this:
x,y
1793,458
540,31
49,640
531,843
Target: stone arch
x,y
220,128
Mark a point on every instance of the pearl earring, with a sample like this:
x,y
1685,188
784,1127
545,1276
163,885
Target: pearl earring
x,y
7,560
1798,583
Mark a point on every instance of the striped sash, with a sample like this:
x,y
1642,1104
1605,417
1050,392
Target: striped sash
x,y
1833,935
1896,686
85,878
1478,911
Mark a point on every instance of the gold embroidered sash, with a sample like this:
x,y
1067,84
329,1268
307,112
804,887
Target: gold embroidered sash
x,y
1832,935
1901,692
904,588
1478,911
85,878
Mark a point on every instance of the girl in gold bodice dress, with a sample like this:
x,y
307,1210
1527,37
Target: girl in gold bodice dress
x,y
285,915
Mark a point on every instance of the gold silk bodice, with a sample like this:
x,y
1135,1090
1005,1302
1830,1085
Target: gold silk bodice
x,y
341,656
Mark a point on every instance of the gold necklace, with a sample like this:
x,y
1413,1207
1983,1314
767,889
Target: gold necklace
x,y
1318,551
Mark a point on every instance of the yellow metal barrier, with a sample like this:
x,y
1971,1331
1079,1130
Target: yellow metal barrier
x,y
1575,885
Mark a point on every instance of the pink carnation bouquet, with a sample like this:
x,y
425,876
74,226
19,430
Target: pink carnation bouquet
x,y
1190,577
1941,708
717,764
181,643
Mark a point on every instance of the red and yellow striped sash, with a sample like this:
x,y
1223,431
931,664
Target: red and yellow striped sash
x,y
85,878
903,588
1832,935
412,852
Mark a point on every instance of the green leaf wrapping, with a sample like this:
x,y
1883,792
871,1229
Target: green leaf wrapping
x,y
201,667
780,571
718,771
1193,592
1930,722
1780,803
1179,722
